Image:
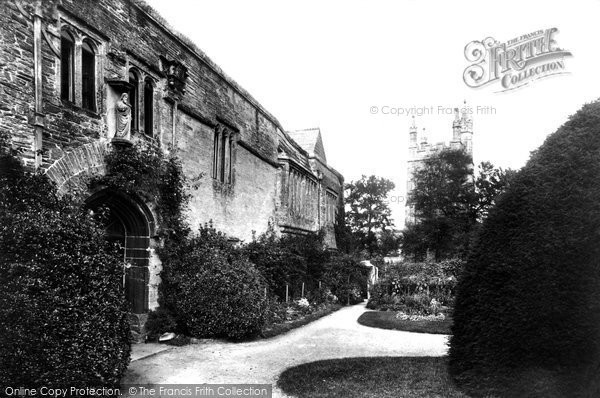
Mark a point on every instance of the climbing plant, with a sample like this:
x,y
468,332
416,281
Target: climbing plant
x,y
142,170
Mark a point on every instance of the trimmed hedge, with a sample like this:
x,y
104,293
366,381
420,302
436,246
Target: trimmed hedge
x,y
527,314
63,314
211,289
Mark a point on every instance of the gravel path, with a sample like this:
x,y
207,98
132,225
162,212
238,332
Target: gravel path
x,y
334,336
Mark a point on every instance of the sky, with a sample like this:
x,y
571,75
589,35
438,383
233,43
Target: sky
x,y
344,65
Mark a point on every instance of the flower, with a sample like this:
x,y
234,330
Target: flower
x,y
303,302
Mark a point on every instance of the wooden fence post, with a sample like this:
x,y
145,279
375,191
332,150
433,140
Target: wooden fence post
x,y
302,289
286,292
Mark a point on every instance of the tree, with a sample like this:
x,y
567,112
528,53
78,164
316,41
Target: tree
x,y
449,202
527,313
489,184
367,210
444,201
388,241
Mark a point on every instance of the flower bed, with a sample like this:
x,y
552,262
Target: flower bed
x,y
296,319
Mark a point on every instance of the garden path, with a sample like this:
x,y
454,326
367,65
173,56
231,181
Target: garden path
x,y
334,336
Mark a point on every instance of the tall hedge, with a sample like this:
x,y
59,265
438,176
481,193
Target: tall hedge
x,y
527,315
63,314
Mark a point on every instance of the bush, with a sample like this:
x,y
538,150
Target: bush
x,y
64,318
212,289
527,314
288,260
410,287
346,278
159,322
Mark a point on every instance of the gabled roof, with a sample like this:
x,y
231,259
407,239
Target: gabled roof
x,y
310,140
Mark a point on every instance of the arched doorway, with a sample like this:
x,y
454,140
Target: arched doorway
x,y
130,224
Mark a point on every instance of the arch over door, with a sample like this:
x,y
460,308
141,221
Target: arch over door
x,y
129,223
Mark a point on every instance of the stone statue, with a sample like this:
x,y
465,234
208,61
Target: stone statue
x,y
123,117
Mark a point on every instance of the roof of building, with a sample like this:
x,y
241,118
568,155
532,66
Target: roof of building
x,y
153,14
311,141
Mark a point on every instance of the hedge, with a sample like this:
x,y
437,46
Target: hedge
x,y
527,314
63,314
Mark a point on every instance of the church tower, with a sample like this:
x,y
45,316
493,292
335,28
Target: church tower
x,y
420,149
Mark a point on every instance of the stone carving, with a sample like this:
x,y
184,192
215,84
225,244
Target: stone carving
x,y
176,74
123,110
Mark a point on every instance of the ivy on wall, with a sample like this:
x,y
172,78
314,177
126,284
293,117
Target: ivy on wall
x,y
142,170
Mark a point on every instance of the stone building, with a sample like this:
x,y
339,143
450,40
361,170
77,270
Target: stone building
x,y
76,76
420,149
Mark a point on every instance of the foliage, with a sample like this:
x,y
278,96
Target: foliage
x,y
489,184
443,198
412,287
345,240
159,321
346,278
288,260
368,212
388,242
62,305
212,289
141,170
448,202
527,314
285,322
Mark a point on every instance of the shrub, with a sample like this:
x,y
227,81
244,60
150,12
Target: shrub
x,y
410,287
288,260
62,305
212,289
527,314
346,278
321,295
276,261
159,322
417,304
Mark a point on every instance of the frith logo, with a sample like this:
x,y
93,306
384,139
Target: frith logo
x,y
515,63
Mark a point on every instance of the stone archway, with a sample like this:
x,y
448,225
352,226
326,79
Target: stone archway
x,y
130,223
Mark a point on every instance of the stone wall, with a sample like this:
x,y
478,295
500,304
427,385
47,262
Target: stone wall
x,y
273,180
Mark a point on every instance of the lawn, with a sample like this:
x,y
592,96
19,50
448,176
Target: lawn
x,y
388,320
406,377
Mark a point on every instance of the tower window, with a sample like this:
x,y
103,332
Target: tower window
x,y
148,108
66,66
88,76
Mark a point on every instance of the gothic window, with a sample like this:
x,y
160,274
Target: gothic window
x,y
134,98
67,64
149,107
216,154
222,163
88,76
222,154
78,70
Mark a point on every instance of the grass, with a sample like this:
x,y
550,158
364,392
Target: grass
x,y
280,328
388,320
405,377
